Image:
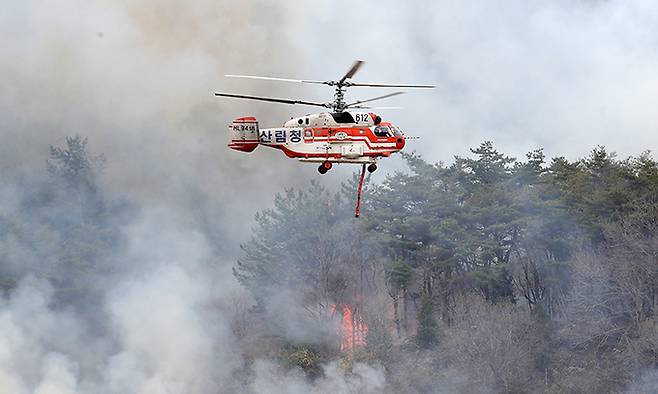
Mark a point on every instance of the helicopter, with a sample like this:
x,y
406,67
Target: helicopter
x,y
348,133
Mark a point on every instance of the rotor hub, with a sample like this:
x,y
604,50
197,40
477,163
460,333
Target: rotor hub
x,y
339,104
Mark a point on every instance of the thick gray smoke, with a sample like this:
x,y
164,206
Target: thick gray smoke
x,y
136,77
563,75
162,333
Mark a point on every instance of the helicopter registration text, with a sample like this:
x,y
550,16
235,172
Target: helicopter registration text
x,y
280,136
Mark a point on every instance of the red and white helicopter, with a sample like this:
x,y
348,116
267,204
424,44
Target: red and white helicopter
x,y
348,134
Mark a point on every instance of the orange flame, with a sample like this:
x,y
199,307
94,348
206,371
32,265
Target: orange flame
x,y
352,330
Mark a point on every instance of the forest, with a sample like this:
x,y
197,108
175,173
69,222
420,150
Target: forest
x,y
487,274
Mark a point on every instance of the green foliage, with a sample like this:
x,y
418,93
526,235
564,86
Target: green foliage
x,y
306,359
378,342
528,275
487,233
427,333
398,274
73,162
81,215
60,230
291,241
494,282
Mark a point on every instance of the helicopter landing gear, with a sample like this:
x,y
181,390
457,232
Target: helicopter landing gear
x,y
324,167
372,167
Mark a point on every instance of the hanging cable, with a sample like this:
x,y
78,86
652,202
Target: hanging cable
x,y
357,213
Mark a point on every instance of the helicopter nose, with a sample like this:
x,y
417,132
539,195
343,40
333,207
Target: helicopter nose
x,y
399,142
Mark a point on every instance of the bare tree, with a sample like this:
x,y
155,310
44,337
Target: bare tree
x,y
494,344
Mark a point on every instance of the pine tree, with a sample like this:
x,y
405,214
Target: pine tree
x,y
427,334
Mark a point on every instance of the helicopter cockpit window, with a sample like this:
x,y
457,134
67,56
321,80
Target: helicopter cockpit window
x,y
382,131
342,117
396,131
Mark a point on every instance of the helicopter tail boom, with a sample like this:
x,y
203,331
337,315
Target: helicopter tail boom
x,y
243,134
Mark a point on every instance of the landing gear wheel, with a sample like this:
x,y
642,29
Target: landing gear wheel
x,y
327,165
322,169
372,167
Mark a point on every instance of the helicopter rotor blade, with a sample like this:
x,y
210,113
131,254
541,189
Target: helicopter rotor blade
x,y
367,107
273,100
275,79
350,73
388,85
373,99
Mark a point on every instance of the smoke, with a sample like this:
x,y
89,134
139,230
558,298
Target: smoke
x,y
563,75
162,333
648,383
137,77
363,379
296,321
142,91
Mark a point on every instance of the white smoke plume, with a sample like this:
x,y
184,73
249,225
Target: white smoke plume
x,y
363,379
162,334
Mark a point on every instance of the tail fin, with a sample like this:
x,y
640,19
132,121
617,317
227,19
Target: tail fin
x,y
243,134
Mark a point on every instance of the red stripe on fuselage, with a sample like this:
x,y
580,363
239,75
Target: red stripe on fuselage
x,y
294,154
351,132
